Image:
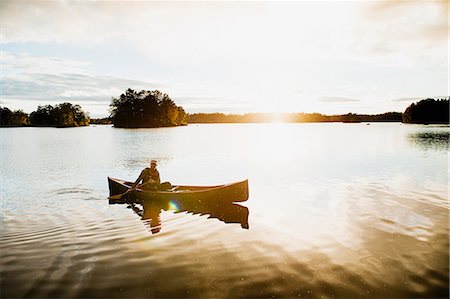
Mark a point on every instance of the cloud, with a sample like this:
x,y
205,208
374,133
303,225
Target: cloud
x,y
32,80
415,99
26,63
56,87
207,104
59,21
228,53
406,99
403,33
337,100
185,31
200,100
44,80
237,33
35,80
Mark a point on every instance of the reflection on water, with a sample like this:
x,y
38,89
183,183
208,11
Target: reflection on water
x,y
337,210
435,140
226,212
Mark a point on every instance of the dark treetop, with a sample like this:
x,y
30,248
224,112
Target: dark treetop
x,y
146,109
13,118
61,115
428,111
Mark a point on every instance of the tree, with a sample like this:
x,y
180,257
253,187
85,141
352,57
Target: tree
x,y
145,109
62,115
427,111
5,116
13,118
20,118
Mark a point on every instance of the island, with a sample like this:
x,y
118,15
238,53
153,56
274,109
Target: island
x,y
146,109
60,115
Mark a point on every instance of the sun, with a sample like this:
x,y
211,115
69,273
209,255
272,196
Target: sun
x,y
276,118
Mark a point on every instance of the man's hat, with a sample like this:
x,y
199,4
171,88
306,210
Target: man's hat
x,y
153,161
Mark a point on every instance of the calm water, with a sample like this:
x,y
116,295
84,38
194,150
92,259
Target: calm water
x,y
335,210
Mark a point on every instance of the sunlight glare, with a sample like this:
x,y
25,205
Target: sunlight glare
x,y
278,118
173,205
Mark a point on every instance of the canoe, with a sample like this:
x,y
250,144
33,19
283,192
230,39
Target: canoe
x,y
234,192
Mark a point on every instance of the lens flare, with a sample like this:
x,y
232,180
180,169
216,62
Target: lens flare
x,y
173,205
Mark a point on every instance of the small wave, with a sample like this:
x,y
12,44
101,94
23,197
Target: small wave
x,y
63,191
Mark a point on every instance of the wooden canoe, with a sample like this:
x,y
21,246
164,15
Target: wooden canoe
x,y
234,192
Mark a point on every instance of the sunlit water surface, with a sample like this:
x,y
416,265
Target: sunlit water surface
x,y
335,210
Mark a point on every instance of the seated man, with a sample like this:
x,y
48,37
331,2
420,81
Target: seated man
x,y
149,177
150,182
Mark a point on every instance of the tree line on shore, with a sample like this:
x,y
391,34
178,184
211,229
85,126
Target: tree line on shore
x,y
148,109
428,111
60,115
291,117
425,111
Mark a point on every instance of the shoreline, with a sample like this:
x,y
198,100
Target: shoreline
x,y
231,122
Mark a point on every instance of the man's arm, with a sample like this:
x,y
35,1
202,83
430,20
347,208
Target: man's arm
x,y
158,180
138,180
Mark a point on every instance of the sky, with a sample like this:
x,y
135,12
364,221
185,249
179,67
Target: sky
x,y
329,57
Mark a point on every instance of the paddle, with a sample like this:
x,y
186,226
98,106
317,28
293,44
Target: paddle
x,y
163,186
119,196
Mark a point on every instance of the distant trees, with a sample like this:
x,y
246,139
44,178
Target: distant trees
x,y
13,118
146,109
61,115
427,111
100,121
291,117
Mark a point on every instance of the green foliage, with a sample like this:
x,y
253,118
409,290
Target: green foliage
x,y
427,111
13,118
145,109
61,115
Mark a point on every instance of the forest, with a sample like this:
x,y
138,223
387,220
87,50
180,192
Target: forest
x,y
60,115
428,111
146,109
291,117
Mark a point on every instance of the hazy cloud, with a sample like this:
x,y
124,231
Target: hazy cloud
x,y
200,100
57,87
219,55
26,63
415,99
407,99
28,77
404,32
212,104
337,100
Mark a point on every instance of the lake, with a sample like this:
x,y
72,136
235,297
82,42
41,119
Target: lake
x,y
335,210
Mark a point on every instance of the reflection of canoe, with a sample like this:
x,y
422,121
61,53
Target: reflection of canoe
x,y
234,192
225,212
228,213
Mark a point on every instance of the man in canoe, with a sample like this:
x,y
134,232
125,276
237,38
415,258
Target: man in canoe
x,y
149,177
150,181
